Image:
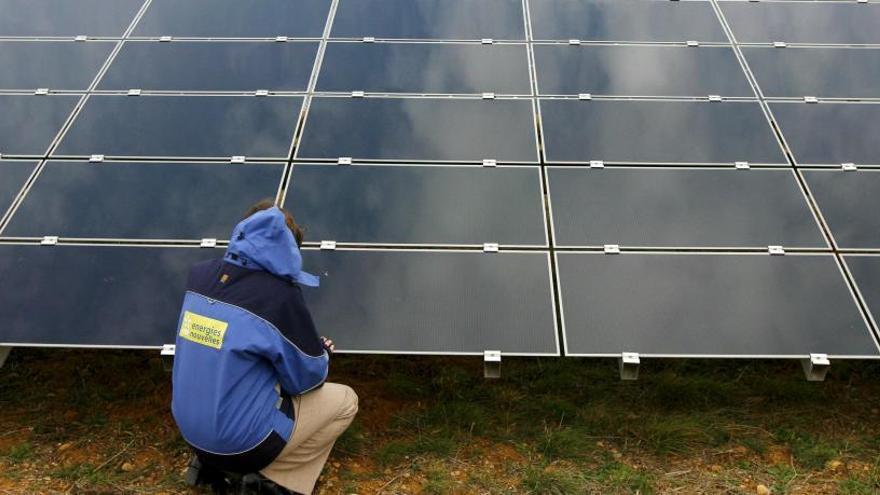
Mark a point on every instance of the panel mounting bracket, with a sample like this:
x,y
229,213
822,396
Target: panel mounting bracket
x,y
489,96
693,43
490,247
357,94
167,354
741,165
585,96
487,41
490,162
779,44
80,37
715,98
96,158
491,364
134,92
49,240
369,39
281,39
811,99
776,250
41,91
328,245
343,160
612,249
4,353
628,363
849,167
208,243
237,159
164,39
261,92
816,367
574,42
597,164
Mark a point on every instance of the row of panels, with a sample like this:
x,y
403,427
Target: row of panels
x,y
379,301
441,68
449,205
440,129
589,20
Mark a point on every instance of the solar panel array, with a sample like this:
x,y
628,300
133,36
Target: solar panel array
x,y
539,177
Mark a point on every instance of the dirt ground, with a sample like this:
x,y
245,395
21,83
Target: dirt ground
x,y
94,422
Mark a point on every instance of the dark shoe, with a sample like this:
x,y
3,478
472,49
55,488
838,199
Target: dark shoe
x,y
199,474
256,483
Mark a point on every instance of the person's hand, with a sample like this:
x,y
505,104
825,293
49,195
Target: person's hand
x,y
328,345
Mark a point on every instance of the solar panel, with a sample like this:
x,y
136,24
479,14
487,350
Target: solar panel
x,y
216,66
61,65
425,68
183,126
639,70
385,204
680,208
709,305
684,178
146,201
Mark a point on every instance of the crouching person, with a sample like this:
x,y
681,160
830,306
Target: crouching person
x,y
249,391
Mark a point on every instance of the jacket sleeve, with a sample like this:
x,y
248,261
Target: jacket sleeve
x,y
295,349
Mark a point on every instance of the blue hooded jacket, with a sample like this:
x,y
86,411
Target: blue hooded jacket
x,y
244,334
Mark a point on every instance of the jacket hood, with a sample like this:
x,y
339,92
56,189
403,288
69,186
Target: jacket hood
x,y
263,241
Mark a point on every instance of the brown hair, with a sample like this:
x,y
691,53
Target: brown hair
x,y
288,218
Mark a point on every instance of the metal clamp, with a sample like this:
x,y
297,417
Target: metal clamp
x,y
164,39
597,164
134,92
489,162
574,42
343,160
369,39
96,158
741,165
208,243
167,354
693,43
491,364
328,245
487,41
811,99
779,44
357,94
816,367
585,96
490,247
49,240
612,249
80,37
41,91
715,98
849,167
261,92
281,39
237,159
776,250
628,363
489,96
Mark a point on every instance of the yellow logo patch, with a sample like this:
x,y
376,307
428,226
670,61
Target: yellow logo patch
x,y
203,330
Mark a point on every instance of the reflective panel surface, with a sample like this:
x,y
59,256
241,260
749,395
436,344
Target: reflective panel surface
x,y
430,19
28,123
803,22
142,200
680,208
418,204
425,68
639,71
93,295
66,17
440,301
830,133
866,273
419,129
701,304
182,126
624,20
828,72
234,18
13,175
849,202
48,64
215,66
657,131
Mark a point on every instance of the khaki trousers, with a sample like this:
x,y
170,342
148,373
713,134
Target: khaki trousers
x,y
321,416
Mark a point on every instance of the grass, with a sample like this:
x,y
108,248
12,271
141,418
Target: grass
x,y
435,426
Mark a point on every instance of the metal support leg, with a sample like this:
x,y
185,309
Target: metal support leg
x,y
816,367
492,364
629,366
4,353
167,356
